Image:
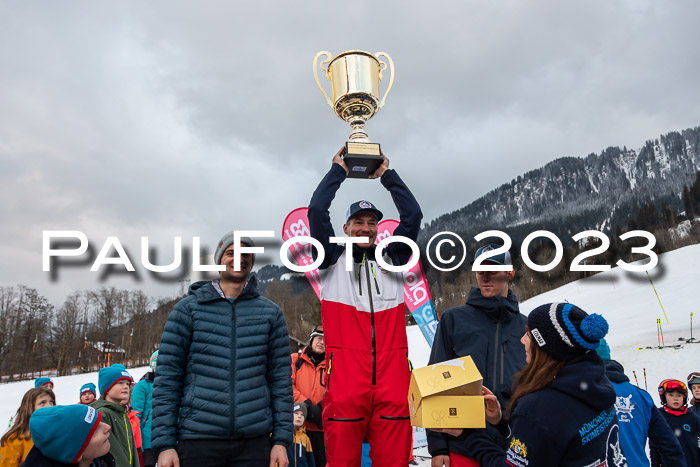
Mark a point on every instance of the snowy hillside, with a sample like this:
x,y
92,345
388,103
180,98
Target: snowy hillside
x,y
626,300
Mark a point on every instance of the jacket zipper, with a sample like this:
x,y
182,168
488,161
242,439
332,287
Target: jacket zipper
x,y
232,386
126,428
495,359
330,366
503,357
359,277
374,339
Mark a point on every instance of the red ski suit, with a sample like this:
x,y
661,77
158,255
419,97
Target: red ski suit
x,y
365,333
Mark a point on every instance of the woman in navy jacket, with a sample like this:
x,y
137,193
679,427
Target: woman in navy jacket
x,y
563,410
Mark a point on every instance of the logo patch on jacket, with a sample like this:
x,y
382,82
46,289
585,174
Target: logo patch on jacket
x,y
517,453
625,409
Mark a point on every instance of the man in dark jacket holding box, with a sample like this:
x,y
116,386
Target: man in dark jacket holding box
x,y
488,328
223,391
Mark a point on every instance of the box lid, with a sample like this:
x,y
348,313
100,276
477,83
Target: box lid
x,y
458,377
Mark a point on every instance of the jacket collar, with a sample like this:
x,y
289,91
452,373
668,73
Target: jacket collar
x,y
499,309
358,253
205,292
677,412
615,372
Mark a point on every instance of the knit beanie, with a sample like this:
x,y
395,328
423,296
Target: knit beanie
x,y
565,331
88,387
63,432
300,406
111,375
225,242
39,382
153,361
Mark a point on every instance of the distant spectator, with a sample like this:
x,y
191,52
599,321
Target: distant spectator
x,y
300,453
17,442
309,383
69,435
88,394
115,384
685,425
43,381
694,386
638,420
141,400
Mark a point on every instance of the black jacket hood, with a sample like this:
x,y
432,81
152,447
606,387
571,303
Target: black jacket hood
x,y
583,378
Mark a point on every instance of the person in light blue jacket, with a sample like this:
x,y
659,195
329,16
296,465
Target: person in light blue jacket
x,y
141,400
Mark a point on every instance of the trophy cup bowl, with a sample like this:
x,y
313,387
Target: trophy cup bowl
x,y
354,77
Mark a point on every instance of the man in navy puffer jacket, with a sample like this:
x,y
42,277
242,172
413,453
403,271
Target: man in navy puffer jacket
x,y
223,391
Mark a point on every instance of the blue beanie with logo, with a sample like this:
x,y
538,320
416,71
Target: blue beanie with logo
x,y
39,382
63,432
111,375
88,387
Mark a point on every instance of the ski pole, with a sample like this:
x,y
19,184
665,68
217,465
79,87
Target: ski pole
x,y
658,332
657,297
662,334
645,379
635,377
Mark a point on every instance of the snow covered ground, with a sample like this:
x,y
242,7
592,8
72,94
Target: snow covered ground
x,y
626,300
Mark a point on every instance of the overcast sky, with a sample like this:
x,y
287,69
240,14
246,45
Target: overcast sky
x,y
176,118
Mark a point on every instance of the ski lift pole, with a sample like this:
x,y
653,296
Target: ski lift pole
x,y
691,327
635,377
657,297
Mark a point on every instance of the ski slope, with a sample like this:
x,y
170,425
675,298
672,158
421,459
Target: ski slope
x,y
626,300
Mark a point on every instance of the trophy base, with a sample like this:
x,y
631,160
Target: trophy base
x,y
362,159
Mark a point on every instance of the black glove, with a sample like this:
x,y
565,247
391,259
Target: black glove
x,y
314,413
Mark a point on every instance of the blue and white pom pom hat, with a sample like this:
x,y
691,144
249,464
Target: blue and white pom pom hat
x,y
565,331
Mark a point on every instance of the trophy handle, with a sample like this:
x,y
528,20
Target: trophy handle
x,y
381,69
328,59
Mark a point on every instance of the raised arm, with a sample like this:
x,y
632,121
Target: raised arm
x,y
410,214
319,215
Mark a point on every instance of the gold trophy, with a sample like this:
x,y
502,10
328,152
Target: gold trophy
x,y
354,77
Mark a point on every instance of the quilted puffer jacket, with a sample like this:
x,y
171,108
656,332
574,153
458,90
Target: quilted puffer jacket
x,y
224,370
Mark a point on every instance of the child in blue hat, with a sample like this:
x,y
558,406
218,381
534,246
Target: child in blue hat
x,y
88,394
115,383
43,381
71,434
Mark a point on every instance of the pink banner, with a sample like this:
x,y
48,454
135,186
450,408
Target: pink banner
x,y
296,225
416,292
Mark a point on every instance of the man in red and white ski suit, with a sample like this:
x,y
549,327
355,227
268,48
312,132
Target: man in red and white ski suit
x,y
365,328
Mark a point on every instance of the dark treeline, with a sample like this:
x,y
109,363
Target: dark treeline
x,y
90,329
